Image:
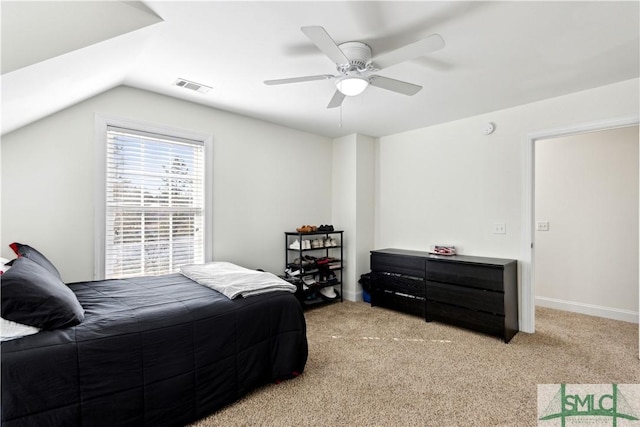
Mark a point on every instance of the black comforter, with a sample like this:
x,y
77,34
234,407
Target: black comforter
x,y
153,351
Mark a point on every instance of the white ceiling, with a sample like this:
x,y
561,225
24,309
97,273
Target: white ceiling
x,y
497,55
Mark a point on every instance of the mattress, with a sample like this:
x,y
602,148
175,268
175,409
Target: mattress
x,y
151,351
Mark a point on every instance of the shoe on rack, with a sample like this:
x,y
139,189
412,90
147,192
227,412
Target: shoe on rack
x,y
309,280
297,263
306,244
291,272
331,278
328,293
295,244
333,242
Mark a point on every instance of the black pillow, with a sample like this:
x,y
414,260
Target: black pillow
x,y
33,296
34,255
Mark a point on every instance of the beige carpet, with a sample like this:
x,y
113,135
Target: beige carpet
x,y
376,367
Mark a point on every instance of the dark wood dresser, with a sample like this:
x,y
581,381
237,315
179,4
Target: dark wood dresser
x,y
398,280
473,292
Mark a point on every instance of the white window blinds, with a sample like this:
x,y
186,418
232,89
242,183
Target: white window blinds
x,y
154,203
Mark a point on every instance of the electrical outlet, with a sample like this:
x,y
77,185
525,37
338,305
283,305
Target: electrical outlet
x,y
499,228
542,225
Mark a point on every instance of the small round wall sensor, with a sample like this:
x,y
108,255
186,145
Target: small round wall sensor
x,y
488,128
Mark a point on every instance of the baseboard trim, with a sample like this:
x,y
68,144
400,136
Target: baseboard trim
x,y
352,296
590,309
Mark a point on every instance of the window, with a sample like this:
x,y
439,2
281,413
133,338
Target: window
x,y
154,202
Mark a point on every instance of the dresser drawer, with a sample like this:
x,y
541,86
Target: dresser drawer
x,y
476,299
471,319
407,265
475,275
398,301
398,284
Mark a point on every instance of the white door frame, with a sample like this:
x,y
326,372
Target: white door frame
x,y
527,282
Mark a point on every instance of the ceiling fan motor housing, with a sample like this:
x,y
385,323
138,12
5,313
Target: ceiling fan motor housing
x,y
359,55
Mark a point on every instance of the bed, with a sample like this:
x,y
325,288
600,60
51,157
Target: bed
x,y
150,351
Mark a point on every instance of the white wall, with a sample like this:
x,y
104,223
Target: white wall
x,y
443,184
267,179
450,183
586,188
365,200
353,206
344,209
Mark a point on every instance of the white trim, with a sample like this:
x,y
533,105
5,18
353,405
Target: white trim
x,y
590,309
99,212
351,295
527,312
208,198
100,135
528,295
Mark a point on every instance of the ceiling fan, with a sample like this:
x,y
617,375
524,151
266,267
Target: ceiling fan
x,y
356,66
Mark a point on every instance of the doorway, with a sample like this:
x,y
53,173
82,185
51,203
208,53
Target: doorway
x,y
528,291
586,223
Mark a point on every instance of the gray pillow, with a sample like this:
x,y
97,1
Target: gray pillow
x,y
36,256
32,295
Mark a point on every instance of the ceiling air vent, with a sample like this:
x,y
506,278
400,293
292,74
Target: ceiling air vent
x,y
192,85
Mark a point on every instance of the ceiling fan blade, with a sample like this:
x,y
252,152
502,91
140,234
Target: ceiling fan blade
x,y
336,100
298,79
394,85
411,51
325,43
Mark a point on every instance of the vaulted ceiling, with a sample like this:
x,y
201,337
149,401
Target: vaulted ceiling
x,y
496,55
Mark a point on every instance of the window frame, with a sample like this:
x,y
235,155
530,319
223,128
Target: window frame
x,y
102,122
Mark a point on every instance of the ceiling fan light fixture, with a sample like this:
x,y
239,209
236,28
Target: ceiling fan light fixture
x,y
352,85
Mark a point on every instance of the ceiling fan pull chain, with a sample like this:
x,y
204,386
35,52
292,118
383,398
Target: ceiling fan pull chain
x,y
340,122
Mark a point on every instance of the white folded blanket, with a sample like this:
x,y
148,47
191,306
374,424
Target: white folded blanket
x,y
232,280
11,330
